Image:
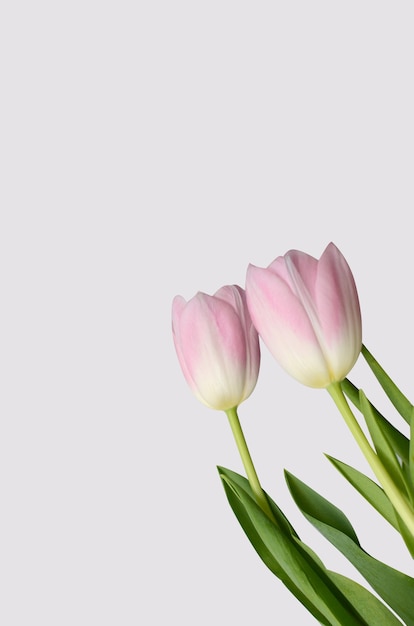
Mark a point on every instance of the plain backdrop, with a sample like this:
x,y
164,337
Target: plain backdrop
x,y
157,148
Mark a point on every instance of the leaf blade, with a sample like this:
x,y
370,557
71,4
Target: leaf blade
x,y
292,561
400,442
369,489
396,588
398,399
372,609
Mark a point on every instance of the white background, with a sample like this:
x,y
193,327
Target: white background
x,y
155,148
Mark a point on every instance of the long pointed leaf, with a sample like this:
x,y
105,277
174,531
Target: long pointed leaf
x,y
369,489
240,511
282,521
371,608
294,562
399,441
396,588
406,535
411,453
382,445
398,399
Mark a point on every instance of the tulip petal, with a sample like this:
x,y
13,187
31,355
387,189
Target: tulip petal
x,y
236,296
338,311
284,325
219,360
307,313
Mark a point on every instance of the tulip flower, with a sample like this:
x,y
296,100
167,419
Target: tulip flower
x,y
219,353
307,312
217,346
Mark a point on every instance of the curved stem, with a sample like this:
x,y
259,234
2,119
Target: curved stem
x,y
253,479
395,496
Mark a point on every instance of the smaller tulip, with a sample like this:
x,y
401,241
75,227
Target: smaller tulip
x,y
307,312
217,346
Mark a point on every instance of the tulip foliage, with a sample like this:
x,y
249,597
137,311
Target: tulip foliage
x,y
306,312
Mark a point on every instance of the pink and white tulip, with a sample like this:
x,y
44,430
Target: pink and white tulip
x,y
217,346
307,312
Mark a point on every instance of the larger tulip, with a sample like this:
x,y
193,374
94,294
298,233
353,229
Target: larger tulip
x,y
217,346
307,312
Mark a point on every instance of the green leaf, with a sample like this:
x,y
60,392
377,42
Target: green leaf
x,y
382,445
398,399
411,452
369,489
372,610
293,562
398,440
235,497
282,521
396,588
406,535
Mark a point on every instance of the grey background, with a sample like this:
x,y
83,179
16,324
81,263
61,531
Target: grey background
x,y
155,148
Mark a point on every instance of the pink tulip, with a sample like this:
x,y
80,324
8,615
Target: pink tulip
x,y
307,313
217,346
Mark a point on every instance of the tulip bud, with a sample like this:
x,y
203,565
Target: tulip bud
x,y
307,313
217,346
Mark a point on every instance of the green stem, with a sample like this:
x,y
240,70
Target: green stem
x,y
398,501
253,479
